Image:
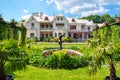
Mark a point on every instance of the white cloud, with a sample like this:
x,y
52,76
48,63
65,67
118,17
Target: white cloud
x,y
25,17
83,7
96,11
26,11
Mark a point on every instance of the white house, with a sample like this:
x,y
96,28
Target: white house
x,y
42,26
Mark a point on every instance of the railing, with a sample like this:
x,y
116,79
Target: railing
x,y
78,30
46,28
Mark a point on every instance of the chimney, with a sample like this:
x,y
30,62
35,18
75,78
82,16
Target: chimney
x,y
35,14
41,14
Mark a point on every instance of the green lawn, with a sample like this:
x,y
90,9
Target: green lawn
x,y
33,73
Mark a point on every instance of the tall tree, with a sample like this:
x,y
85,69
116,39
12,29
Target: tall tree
x,y
107,18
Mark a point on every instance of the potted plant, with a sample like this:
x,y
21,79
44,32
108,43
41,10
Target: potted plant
x,y
15,55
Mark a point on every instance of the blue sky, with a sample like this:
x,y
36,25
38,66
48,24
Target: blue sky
x,y
19,9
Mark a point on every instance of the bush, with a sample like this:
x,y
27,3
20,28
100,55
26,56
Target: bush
x,y
58,59
52,62
72,62
49,39
67,39
74,48
34,39
55,39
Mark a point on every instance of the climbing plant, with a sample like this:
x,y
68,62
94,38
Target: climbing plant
x,y
23,35
3,28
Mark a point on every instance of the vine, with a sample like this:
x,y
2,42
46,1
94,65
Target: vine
x,y
3,29
107,34
23,35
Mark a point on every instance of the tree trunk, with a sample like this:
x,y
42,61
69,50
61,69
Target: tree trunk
x,y
112,71
2,72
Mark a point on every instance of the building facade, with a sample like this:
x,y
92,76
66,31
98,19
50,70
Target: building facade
x,y
42,26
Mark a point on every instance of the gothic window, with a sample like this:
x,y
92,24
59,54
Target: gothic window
x,y
32,25
46,18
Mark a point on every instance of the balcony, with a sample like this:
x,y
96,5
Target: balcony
x,y
77,31
46,29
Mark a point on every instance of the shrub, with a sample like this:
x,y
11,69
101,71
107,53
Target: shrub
x,y
49,39
67,39
34,39
55,39
58,59
52,62
74,48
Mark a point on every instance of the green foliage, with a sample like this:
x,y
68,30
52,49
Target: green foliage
x,y
23,35
58,59
55,39
100,19
67,39
74,48
49,39
34,39
105,50
3,29
14,55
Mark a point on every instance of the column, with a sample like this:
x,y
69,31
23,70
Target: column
x,y
87,35
71,35
38,34
83,36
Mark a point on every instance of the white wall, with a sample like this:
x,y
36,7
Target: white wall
x,y
62,30
35,30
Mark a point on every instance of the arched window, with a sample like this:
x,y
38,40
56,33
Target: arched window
x,y
73,20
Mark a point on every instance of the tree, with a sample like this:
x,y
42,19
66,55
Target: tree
x,y
105,49
107,18
3,29
95,18
100,19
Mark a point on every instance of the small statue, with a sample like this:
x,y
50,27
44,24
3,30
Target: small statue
x,y
60,41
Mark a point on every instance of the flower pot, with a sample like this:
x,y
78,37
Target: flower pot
x,y
108,78
10,77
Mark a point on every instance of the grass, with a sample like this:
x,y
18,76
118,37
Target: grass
x,y
33,73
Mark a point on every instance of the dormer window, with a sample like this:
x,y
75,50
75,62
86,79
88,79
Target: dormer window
x,y
46,18
32,18
73,20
